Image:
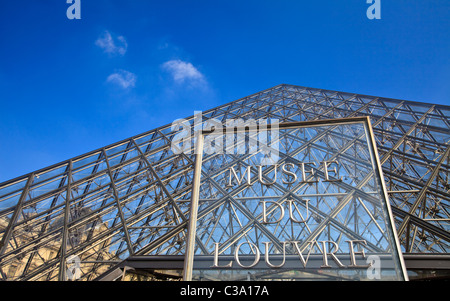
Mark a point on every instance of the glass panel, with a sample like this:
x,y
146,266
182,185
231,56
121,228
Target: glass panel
x,y
304,202
14,187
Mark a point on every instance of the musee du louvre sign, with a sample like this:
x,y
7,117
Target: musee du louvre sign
x,y
274,209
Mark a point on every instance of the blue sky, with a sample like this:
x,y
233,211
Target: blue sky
x,y
71,86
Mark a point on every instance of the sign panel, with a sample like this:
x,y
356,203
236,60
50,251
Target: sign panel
x,y
291,201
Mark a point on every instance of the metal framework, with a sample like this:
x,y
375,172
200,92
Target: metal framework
x,y
100,211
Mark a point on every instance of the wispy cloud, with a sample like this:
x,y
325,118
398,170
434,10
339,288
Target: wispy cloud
x,y
112,45
123,79
183,72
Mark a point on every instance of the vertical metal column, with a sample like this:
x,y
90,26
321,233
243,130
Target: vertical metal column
x,y
65,231
192,227
373,149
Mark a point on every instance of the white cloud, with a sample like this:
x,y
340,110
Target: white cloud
x,y
112,45
123,78
183,71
